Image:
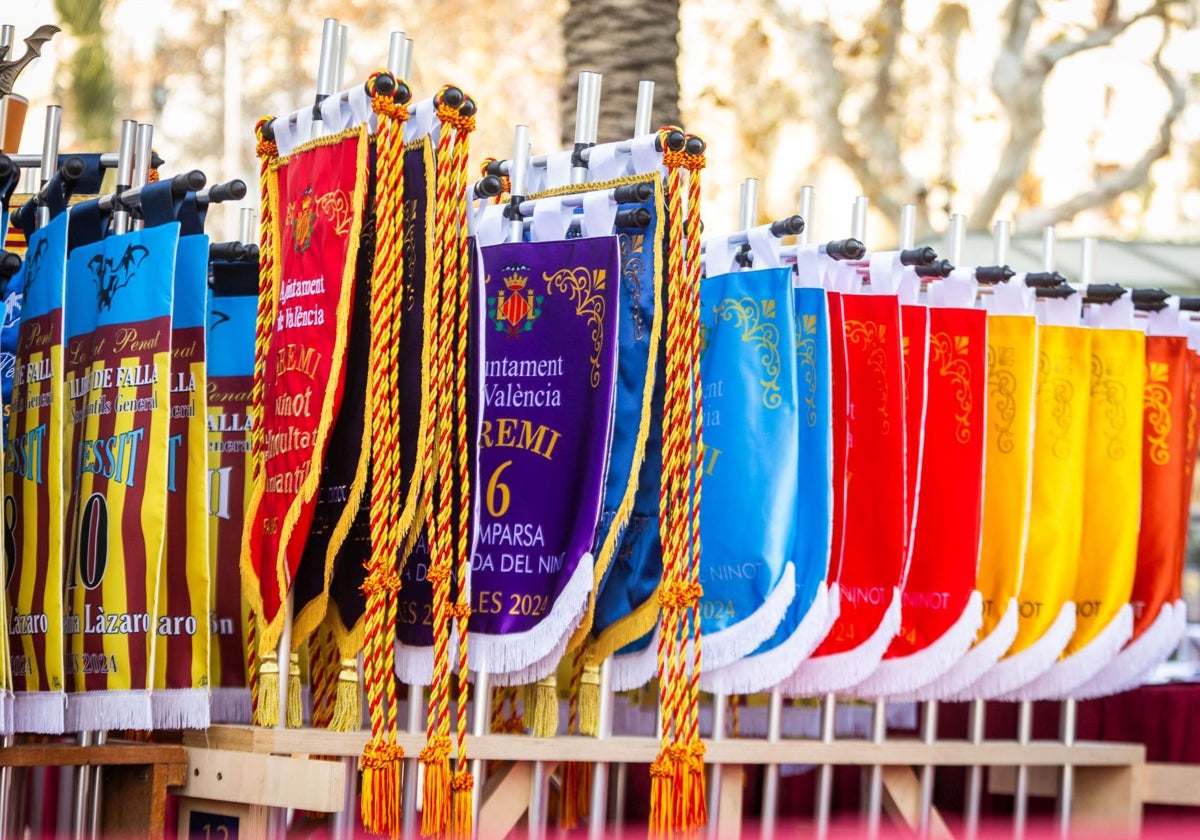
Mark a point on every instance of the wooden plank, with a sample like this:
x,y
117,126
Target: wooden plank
x,y
902,801
110,754
634,750
1107,801
270,780
506,799
1043,781
1171,784
135,801
729,813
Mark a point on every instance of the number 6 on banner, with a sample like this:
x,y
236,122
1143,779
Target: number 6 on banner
x,y
495,487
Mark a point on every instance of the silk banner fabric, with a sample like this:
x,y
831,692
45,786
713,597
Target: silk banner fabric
x,y
115,558
232,305
811,610
751,435
874,522
549,369
318,194
34,497
184,634
941,610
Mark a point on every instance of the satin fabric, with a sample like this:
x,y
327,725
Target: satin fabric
x,y
1056,503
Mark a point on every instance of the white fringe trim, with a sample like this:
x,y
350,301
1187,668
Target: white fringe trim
x,y
956,683
180,708
413,664
634,670
231,705
1020,669
520,654
6,712
1133,665
908,673
40,712
1070,672
100,710
543,668
838,671
742,638
753,674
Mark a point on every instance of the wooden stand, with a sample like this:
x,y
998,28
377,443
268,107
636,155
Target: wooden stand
x,y
270,767
136,778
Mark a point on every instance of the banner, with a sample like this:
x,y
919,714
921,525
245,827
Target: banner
x,y
317,194
812,609
232,305
1111,509
181,657
549,369
122,457
875,520
1046,617
941,609
34,500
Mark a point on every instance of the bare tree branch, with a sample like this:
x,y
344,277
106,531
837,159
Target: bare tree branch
x,y
1125,178
1051,54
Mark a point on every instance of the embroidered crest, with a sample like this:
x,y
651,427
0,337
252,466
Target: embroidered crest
x,y
110,277
304,219
515,308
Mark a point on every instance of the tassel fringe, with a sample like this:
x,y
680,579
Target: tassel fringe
x,y
266,713
542,706
347,703
576,794
462,812
435,801
295,707
382,775
589,701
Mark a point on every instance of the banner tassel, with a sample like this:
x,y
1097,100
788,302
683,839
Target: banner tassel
x,y
347,702
295,708
435,803
589,701
266,713
462,787
543,711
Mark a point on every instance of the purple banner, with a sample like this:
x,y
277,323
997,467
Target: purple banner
x,y
549,324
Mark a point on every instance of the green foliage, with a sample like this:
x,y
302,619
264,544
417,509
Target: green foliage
x,y
91,88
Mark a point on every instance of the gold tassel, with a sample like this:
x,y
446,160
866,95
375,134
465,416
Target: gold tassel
x,y
382,770
463,811
267,712
576,794
435,802
589,701
543,710
295,710
347,704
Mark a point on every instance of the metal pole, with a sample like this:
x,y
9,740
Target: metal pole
x,y
645,105
246,230
8,37
599,794
538,801
399,61
1021,792
806,211
928,736
125,155
587,116
49,154
976,720
233,126
479,727
339,61
326,77
143,143
1066,793
825,771
771,771
518,172
412,767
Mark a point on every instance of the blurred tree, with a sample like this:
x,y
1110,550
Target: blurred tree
x,y
867,105
627,41
91,90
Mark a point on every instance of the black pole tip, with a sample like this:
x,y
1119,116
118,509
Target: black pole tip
x,y
403,93
468,108
488,187
791,226
452,96
194,180
385,84
1150,295
496,167
251,253
268,133
10,263
73,168
7,167
676,140
696,145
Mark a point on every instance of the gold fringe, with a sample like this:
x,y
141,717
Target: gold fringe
x,y
435,803
462,812
295,709
589,701
542,707
347,704
576,794
382,778
267,711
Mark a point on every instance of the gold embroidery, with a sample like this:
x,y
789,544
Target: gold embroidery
x,y
408,296
1056,392
1002,400
1157,405
585,288
905,348
870,336
336,206
746,313
632,265
949,353
806,352
1108,399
